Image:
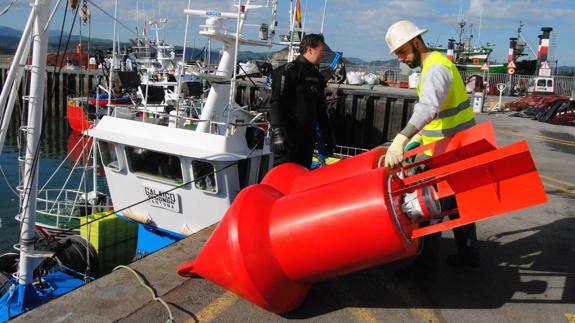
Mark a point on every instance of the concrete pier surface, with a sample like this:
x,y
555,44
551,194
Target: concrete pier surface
x,y
527,272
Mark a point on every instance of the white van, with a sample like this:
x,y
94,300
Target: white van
x,y
541,85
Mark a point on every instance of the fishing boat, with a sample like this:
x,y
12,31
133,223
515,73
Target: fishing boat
x,y
171,172
60,211
82,112
476,59
144,73
469,58
180,174
40,271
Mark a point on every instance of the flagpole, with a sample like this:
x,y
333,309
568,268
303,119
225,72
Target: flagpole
x,y
291,30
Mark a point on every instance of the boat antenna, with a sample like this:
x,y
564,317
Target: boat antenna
x,y
480,23
519,30
183,61
323,17
304,18
242,13
110,90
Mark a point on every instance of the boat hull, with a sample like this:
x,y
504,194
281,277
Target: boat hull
x,y
78,120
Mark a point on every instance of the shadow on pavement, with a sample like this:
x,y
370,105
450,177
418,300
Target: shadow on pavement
x,y
517,267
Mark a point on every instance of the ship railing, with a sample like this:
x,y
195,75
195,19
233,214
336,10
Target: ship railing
x,y
187,118
339,153
343,152
63,206
564,85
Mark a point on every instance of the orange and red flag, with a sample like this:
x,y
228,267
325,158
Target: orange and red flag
x,y
298,13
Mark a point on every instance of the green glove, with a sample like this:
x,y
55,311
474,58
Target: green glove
x,y
412,144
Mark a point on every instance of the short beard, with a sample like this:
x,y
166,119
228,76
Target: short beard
x,y
416,57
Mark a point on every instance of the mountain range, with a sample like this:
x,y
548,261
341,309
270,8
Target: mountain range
x,y
9,39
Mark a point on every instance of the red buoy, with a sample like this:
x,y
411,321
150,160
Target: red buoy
x,y
299,227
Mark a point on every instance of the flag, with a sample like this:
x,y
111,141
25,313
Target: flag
x,y
145,28
298,13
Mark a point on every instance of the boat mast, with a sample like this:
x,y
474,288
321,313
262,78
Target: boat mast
x,y
28,256
219,94
183,61
239,25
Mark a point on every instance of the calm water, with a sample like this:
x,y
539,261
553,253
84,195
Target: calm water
x,y
55,145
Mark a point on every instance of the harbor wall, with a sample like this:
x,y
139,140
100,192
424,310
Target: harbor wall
x,y
60,84
362,116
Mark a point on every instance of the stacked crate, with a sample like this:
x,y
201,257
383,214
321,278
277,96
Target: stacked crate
x,y
114,239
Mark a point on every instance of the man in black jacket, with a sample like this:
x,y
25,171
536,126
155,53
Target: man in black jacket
x,y
298,106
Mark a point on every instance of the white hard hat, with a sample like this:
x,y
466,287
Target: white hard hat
x,y
400,33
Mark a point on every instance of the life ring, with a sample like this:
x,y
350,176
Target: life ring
x,y
475,61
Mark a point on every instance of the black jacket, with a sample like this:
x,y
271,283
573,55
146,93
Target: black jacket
x,y
298,98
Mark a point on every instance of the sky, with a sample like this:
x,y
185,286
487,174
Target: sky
x,y
356,27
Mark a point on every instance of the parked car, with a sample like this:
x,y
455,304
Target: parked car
x,y
541,85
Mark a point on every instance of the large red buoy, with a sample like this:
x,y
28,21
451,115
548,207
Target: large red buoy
x,y
300,227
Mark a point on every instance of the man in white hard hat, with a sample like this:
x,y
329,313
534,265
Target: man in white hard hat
x,y
443,110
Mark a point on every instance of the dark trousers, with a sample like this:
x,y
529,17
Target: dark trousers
x,y
465,239
300,150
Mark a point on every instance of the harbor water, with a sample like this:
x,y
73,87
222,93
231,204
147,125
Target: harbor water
x,y
56,143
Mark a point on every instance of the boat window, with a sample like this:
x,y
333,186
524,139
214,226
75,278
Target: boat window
x,y
204,176
151,163
108,155
540,82
549,83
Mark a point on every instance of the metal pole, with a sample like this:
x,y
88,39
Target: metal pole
x,y
304,18
323,16
183,62
110,90
12,98
233,82
36,101
291,30
16,70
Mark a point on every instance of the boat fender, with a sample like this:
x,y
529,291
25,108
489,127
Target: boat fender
x,y
73,255
144,219
5,279
9,262
255,137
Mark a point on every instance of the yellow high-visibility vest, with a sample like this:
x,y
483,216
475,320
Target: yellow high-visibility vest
x,y
455,113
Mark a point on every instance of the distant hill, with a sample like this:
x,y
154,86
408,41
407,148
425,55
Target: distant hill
x,y
9,39
359,61
9,32
566,70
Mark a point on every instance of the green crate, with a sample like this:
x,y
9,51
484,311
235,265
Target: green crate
x,y
114,239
